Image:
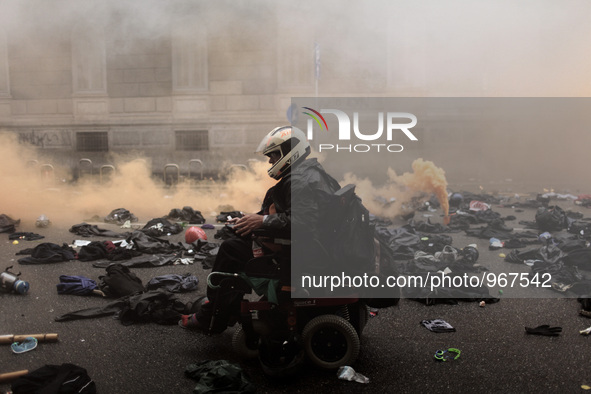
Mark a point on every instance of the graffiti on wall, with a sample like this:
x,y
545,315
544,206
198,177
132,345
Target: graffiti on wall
x,y
42,138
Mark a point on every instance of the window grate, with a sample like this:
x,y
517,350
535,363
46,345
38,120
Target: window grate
x,y
92,141
192,140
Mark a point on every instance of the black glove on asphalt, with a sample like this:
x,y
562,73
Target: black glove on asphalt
x,y
544,330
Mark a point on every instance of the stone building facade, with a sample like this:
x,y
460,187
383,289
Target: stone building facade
x,y
201,82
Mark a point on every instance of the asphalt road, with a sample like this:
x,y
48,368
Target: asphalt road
x,y
396,353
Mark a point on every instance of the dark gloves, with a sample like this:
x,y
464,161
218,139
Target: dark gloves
x,y
544,330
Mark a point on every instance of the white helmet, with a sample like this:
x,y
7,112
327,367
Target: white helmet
x,y
290,142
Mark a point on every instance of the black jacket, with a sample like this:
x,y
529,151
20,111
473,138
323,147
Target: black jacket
x,y
300,199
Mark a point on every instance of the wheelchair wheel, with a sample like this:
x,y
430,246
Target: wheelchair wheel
x,y
240,347
330,342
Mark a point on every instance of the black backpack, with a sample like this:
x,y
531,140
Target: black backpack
x,y
353,244
552,218
120,282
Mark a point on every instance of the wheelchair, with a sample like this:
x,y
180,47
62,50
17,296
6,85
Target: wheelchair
x,y
286,326
283,331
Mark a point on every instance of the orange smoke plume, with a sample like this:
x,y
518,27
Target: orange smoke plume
x,y
427,177
393,198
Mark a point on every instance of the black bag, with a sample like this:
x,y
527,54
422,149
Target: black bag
x,y
187,214
55,379
120,282
552,218
120,216
353,243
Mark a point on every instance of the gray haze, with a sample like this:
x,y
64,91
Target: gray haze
x,y
447,48
456,48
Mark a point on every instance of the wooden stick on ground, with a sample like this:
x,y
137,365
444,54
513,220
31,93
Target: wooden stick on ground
x,y
8,339
8,376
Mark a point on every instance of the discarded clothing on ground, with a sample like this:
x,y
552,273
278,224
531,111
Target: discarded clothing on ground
x,y
405,241
174,283
486,198
497,229
93,251
7,224
581,227
156,306
158,226
26,236
151,245
463,219
187,214
438,325
568,243
219,376
430,228
448,295
88,230
549,254
76,285
450,258
55,379
580,258
207,254
46,253
142,261
556,274
97,250
120,216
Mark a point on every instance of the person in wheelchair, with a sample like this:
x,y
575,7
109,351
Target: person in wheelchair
x,y
299,200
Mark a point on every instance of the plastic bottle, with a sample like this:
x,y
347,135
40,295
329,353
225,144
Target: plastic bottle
x,y
348,373
11,282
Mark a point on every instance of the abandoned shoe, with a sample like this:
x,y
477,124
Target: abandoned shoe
x,y
190,322
28,344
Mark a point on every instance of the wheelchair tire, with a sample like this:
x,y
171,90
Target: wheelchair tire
x,y
330,342
240,347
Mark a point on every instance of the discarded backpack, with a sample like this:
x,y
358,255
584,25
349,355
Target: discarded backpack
x,y
187,214
353,244
120,216
552,218
7,224
120,282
